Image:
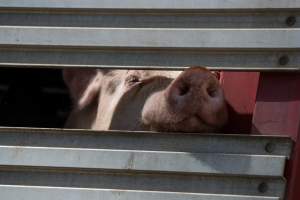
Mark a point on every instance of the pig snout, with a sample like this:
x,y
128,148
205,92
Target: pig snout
x,y
195,93
187,91
194,101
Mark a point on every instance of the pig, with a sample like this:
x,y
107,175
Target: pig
x,y
146,100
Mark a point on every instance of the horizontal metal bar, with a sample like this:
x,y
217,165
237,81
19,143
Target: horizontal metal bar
x,y
56,193
151,20
147,141
153,161
245,69
154,4
62,66
150,182
151,38
158,60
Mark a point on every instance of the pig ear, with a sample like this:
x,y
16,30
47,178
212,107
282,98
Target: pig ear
x,y
84,85
217,74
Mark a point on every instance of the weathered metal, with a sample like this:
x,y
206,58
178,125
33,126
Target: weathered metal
x,y
238,35
155,4
247,39
151,19
167,34
128,140
54,193
201,165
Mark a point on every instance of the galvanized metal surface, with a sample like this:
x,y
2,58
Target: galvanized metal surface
x,y
267,52
134,19
147,141
142,160
158,60
148,35
55,193
192,183
151,38
204,165
154,4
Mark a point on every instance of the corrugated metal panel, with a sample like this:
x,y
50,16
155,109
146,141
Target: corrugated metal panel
x,y
218,34
197,166
67,164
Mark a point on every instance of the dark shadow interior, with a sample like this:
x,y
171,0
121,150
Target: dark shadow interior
x,y
33,98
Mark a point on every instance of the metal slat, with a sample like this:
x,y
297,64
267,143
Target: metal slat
x,y
157,60
147,141
100,161
193,183
151,38
52,193
143,160
150,20
154,4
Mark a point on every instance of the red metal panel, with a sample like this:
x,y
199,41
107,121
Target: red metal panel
x,y
240,90
277,111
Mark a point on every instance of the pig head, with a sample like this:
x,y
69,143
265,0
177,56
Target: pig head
x,y
188,101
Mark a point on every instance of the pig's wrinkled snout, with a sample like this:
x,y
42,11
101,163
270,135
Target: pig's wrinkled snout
x,y
188,93
194,101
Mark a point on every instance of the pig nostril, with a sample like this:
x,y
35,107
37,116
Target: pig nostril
x,y
211,92
184,90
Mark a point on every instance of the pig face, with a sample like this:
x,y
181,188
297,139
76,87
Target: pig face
x,y
188,101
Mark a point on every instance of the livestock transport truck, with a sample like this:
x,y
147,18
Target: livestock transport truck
x,y
254,43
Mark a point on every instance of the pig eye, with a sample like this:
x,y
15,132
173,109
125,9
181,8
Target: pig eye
x,y
183,90
132,79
